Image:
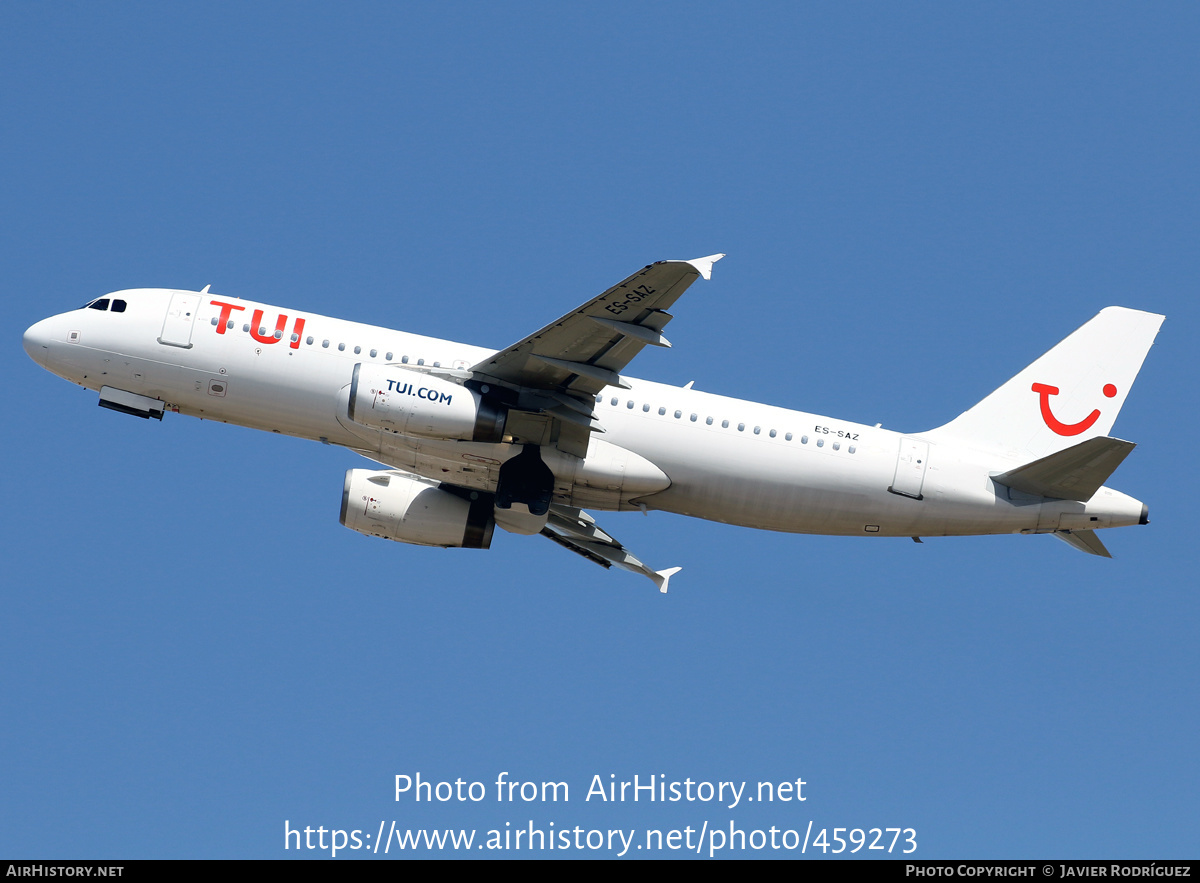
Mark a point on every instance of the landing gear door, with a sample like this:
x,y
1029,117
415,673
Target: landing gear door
x,y
181,316
910,468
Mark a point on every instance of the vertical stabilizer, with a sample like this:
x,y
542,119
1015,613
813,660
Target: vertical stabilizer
x,y
1071,394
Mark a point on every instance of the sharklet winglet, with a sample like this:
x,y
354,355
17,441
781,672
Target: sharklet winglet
x,y
662,577
704,265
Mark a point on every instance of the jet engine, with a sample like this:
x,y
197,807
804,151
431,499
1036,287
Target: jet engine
x,y
406,509
412,403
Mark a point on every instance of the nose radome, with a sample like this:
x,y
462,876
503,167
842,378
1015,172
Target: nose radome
x,y
37,340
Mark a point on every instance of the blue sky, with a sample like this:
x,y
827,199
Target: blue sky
x,y
916,200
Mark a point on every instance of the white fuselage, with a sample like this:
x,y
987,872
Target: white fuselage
x,y
727,459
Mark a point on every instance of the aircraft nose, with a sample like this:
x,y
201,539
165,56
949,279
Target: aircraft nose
x,y
37,341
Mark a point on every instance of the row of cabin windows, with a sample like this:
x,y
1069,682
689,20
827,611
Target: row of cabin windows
x,y
310,340
708,421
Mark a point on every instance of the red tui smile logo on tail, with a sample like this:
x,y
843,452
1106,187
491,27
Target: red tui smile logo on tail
x,y
1044,392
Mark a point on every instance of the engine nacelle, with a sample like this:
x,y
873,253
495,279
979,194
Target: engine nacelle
x,y
412,403
408,510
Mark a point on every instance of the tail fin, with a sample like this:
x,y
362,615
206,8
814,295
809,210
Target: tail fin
x,y
1069,395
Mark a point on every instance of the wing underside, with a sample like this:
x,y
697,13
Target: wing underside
x,y
558,370
574,529
547,384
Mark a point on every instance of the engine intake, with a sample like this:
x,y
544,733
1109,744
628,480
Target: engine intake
x,y
412,403
408,510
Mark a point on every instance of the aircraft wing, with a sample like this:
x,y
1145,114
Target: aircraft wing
x,y
574,529
557,371
586,350
553,377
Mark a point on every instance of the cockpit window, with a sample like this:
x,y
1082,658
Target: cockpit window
x,y
102,303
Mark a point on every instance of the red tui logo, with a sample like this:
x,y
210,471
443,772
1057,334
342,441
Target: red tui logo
x,y
1044,392
257,329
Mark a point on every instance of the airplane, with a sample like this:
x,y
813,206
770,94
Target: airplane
x,y
529,437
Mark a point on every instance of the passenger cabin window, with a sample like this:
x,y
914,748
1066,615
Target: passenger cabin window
x,y
388,357
645,408
662,412
325,344
404,360
341,347
374,353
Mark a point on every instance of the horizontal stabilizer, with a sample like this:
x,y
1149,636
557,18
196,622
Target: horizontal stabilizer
x,y
1084,541
1075,473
